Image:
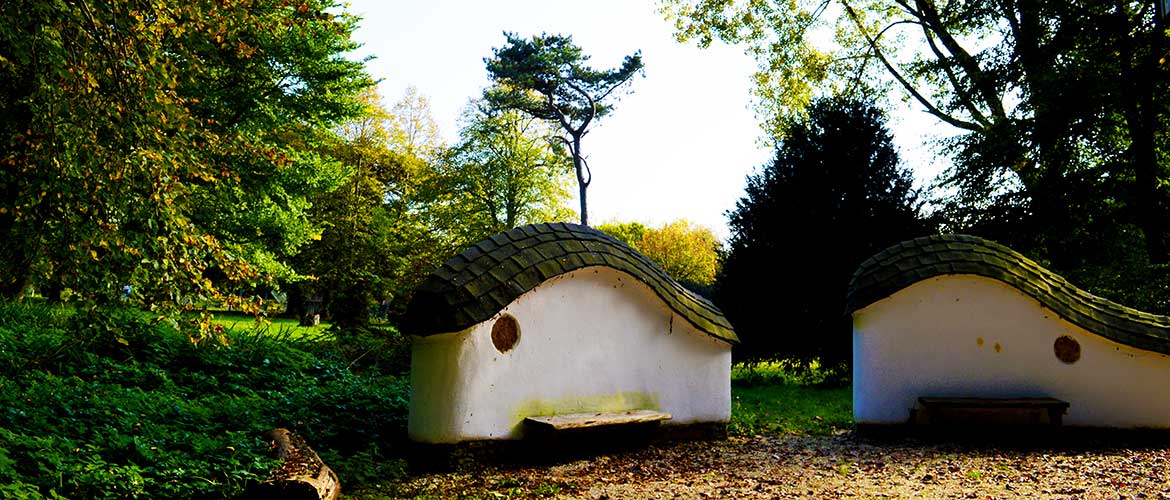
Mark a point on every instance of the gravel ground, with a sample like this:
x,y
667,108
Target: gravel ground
x,y
828,467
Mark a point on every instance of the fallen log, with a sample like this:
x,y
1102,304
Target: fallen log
x,y
301,475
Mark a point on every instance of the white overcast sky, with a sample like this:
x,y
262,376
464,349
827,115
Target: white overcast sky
x,y
679,146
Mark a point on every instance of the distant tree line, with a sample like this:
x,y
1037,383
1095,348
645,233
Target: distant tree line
x,y
178,158
185,158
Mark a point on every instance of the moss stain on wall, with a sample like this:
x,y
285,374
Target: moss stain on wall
x,y
621,401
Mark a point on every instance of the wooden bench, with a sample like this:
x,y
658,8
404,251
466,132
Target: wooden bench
x,y
573,434
596,419
990,411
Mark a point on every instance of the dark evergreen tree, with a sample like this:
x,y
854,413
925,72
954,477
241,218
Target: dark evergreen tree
x,y
835,195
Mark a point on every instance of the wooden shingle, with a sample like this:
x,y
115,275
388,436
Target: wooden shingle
x,y
476,284
919,259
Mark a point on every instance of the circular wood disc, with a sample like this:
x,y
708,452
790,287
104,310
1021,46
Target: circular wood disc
x,y
1067,349
505,333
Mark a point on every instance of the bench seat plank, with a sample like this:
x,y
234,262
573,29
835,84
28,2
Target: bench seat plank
x,y
596,419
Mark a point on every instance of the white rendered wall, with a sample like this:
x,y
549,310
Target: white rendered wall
x,y
965,335
595,339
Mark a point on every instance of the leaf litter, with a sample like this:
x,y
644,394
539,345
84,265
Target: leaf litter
x,y
842,466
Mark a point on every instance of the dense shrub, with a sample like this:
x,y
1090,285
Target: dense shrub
x,y
122,407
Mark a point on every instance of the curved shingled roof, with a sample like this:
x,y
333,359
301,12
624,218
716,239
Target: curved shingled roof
x,y
909,262
478,283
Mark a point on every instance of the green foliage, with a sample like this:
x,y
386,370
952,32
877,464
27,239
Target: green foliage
x,y
506,171
834,196
168,147
547,78
412,129
789,371
410,203
378,235
793,68
629,233
1129,280
347,262
137,410
687,252
238,324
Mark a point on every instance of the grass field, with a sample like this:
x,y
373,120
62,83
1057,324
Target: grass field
x,y
790,409
785,397
245,323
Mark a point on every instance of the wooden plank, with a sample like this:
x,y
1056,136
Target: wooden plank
x,y
597,419
992,402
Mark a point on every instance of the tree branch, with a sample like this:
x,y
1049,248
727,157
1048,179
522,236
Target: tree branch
x,y
613,87
564,121
960,90
855,82
568,143
930,107
975,73
592,109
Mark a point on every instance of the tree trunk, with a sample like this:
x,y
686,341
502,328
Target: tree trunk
x,y
294,306
582,183
1141,129
17,257
350,306
1142,123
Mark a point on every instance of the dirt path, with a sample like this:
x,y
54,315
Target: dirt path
x,y
843,466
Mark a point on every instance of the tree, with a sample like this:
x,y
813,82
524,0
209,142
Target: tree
x,y
348,264
834,196
629,233
689,253
506,171
409,202
419,242
547,78
1061,102
379,235
412,129
165,147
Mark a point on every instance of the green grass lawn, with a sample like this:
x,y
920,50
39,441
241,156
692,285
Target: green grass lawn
x,y
240,323
790,409
789,397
